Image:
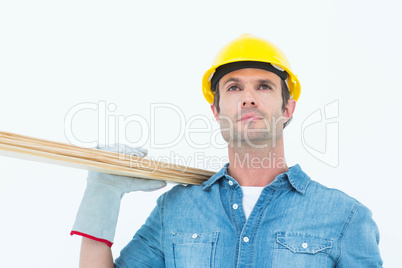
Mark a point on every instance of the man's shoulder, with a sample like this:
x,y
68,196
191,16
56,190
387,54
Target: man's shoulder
x,y
185,189
331,197
192,190
182,192
313,191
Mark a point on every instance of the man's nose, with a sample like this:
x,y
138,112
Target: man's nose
x,y
248,100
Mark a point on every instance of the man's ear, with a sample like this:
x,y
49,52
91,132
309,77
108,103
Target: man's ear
x,y
290,109
215,112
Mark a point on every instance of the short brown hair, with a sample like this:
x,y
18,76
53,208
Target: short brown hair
x,y
285,98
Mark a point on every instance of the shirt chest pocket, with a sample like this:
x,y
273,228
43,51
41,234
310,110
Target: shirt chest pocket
x,y
194,249
296,250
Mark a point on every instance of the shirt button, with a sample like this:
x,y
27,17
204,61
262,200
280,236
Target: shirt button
x,y
235,206
230,183
194,236
304,245
246,239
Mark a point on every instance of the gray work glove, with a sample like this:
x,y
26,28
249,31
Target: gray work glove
x,y
97,215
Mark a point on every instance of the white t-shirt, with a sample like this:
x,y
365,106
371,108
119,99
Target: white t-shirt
x,y
250,197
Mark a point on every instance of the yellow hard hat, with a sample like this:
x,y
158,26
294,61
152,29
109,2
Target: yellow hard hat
x,y
249,48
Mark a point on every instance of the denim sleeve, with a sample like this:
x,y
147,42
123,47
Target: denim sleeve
x,y
359,244
146,247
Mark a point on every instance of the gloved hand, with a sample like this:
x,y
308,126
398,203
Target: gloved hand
x,y
97,215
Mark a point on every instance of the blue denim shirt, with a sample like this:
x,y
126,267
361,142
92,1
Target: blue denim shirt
x,y
296,222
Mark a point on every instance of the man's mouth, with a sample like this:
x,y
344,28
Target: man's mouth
x,y
250,116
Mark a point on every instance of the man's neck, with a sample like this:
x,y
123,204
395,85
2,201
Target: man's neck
x,y
256,167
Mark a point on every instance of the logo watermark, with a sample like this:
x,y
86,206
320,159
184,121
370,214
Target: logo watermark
x,y
199,133
328,119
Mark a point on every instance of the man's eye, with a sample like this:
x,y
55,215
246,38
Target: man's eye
x,y
265,87
233,88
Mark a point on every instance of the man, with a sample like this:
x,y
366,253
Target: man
x,y
256,211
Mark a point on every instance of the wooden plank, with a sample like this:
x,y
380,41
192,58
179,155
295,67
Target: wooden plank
x,y
24,147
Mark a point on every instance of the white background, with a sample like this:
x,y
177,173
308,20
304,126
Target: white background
x,y
57,54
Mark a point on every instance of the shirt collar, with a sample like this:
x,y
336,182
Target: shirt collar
x,y
295,175
221,173
297,178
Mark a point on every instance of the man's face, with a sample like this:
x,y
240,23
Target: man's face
x,y
251,108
